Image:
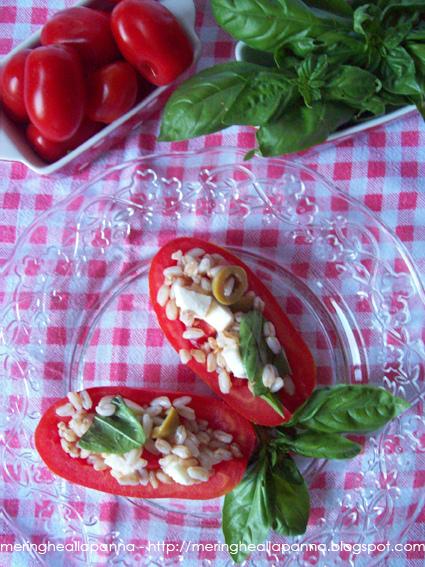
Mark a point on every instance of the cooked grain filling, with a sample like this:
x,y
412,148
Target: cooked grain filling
x,y
191,279
187,455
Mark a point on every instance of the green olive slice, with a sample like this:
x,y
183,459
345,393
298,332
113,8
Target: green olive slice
x,y
168,426
223,278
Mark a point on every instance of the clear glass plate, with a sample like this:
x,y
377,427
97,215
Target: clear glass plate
x,y
75,313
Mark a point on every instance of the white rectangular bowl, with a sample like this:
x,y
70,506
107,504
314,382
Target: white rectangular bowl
x,y
14,146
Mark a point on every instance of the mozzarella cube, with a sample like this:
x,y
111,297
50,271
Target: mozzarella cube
x,y
190,300
233,359
219,316
177,470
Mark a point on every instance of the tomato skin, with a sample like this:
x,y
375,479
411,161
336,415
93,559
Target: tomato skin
x,y
240,398
54,91
151,39
226,476
112,91
12,86
88,31
52,151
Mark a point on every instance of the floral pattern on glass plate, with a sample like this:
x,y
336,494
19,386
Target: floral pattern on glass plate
x,y
75,313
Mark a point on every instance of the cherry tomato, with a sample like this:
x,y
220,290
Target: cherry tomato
x,y
151,38
112,91
52,151
227,474
12,86
87,30
54,91
239,398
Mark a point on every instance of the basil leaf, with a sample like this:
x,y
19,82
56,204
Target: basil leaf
x,y
267,24
249,155
116,434
391,99
340,7
342,48
302,127
198,105
319,445
282,364
374,105
286,62
367,21
420,104
391,6
352,86
396,34
347,409
274,402
255,355
261,97
254,349
417,34
399,73
288,498
301,45
417,50
246,513
311,78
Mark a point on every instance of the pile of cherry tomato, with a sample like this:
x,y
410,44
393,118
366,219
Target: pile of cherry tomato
x,y
91,68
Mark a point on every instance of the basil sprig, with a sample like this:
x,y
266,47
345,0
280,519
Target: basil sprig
x,y
256,354
117,434
319,65
273,494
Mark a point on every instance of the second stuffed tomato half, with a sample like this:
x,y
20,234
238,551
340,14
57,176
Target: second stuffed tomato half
x,y
230,330
146,444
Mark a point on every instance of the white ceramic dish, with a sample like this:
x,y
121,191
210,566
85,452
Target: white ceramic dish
x,y
14,146
241,55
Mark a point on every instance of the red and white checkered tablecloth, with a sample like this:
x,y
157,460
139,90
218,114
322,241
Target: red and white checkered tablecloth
x,y
383,168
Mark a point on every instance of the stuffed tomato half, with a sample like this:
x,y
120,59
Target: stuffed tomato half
x,y
230,330
146,444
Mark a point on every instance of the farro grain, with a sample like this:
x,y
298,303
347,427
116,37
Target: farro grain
x,y
198,473
182,401
66,410
185,355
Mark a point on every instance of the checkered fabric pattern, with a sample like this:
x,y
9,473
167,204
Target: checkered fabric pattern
x,y
382,168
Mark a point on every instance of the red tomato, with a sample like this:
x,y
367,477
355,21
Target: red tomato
x,y
240,398
151,39
227,474
112,91
87,30
54,91
12,86
52,151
